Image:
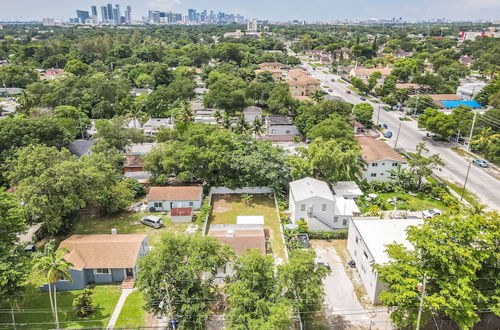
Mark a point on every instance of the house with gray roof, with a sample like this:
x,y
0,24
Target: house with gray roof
x,y
81,148
279,125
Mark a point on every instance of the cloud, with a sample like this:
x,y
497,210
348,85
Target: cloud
x,y
164,4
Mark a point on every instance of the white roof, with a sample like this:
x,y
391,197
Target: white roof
x,y
140,148
158,122
378,233
308,187
346,207
250,220
346,188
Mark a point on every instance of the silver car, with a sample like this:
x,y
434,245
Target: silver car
x,y
152,221
431,213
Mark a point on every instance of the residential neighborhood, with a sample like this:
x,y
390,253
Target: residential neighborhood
x,y
216,171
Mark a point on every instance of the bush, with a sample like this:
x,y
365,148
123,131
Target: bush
x,y
136,187
83,303
204,212
247,200
336,234
302,226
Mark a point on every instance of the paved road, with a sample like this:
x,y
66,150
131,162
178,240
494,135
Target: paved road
x,y
481,182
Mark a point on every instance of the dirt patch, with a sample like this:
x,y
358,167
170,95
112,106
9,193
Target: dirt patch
x,y
220,203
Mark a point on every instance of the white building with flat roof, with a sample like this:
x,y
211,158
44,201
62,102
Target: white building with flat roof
x,y
367,242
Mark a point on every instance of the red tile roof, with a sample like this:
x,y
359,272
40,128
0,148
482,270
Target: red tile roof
x,y
181,211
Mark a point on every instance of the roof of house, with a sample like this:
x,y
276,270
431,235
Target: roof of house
x,y
181,211
444,97
158,122
346,207
134,161
279,120
181,193
367,72
140,176
257,71
373,150
309,187
377,234
240,237
346,188
270,64
454,104
140,148
103,251
80,148
252,108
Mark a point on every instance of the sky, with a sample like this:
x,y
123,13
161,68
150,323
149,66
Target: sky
x,y
283,10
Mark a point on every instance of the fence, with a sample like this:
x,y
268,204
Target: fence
x,y
245,190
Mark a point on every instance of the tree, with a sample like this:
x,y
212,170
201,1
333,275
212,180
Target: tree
x,y
280,100
13,261
241,125
83,303
80,120
17,76
363,112
317,96
226,92
52,264
309,115
404,68
419,103
454,252
360,85
76,67
254,297
336,127
170,273
437,122
258,127
326,160
113,134
373,79
423,166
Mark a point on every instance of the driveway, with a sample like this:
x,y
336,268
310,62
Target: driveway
x,y
343,308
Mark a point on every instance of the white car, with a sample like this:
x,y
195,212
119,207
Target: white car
x,y
431,213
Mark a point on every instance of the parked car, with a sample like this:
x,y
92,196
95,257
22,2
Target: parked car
x,y
363,99
352,264
330,90
30,248
388,134
481,162
431,213
385,126
323,264
348,92
333,80
152,221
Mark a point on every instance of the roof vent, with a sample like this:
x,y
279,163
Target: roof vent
x,y
230,233
114,231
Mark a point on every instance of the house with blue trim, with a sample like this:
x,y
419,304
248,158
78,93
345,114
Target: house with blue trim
x,y
101,259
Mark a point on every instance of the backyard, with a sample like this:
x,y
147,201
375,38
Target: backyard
x,y
34,310
225,209
419,202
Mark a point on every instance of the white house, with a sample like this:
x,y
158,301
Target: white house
x,y
252,112
379,158
278,125
347,189
366,243
166,198
153,125
312,201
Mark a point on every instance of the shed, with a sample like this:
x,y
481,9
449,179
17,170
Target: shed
x,y
182,214
250,220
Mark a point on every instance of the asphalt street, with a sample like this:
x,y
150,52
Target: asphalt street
x,y
481,182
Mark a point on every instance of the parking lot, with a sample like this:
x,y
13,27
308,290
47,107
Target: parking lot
x,y
346,305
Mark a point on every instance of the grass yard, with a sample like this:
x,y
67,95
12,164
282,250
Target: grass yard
x,y
459,189
126,223
133,313
421,202
225,209
35,312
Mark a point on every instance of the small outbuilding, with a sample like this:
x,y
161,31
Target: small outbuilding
x,y
182,214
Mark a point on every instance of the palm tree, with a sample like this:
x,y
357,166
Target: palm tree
x,y
51,262
226,121
185,113
241,125
258,126
218,116
135,113
317,96
26,102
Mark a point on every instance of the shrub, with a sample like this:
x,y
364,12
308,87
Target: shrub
x,y
247,200
83,303
204,212
136,187
302,226
336,234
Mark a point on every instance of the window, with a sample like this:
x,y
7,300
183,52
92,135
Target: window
x,y
363,269
191,203
383,164
394,164
335,219
373,175
323,207
344,222
364,253
101,271
357,240
302,207
374,164
287,132
381,174
158,204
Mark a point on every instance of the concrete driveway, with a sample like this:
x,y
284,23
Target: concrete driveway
x,y
345,307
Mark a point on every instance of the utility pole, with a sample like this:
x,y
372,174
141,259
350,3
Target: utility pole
x,y
472,129
465,183
422,294
378,115
397,136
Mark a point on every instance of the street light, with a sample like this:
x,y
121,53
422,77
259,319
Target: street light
x,y
465,183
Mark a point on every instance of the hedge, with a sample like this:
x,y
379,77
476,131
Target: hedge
x,y
336,234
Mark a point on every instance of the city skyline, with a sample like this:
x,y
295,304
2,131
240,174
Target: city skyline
x,y
279,10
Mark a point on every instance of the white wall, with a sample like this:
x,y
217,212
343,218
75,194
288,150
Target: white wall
x,y
283,130
298,211
357,250
380,170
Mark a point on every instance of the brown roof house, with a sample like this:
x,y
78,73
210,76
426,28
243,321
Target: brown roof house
x,y
379,158
161,199
240,238
301,84
101,259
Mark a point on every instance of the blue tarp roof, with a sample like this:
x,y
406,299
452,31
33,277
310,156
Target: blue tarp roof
x,y
454,104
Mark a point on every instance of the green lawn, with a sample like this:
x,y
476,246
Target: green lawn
x,y
126,223
35,308
225,209
133,312
459,189
421,202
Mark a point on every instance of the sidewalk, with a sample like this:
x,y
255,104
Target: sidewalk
x,y
118,307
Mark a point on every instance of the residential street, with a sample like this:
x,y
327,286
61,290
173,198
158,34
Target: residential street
x,y
480,182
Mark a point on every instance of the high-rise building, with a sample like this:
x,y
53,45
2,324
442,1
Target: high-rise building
x,y
82,16
252,26
48,21
110,11
104,14
192,15
93,9
128,15
117,14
